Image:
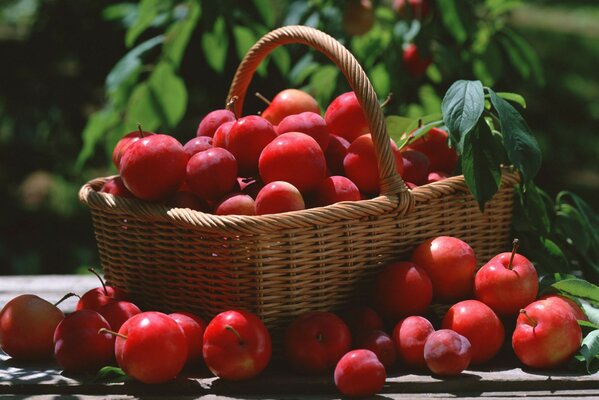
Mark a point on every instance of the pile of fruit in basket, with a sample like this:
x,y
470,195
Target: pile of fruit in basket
x,y
356,348
289,158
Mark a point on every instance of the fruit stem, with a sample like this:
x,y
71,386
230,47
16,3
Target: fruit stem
x,y
231,329
531,321
261,97
66,296
387,100
93,271
113,333
515,245
141,132
420,123
230,105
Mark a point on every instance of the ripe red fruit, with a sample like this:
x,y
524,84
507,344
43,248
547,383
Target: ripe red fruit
x,y
380,344
250,187
210,123
546,335
361,320
236,204
197,144
78,346
95,298
451,265
315,341
409,336
335,189
359,373
237,345
221,136
185,199
27,325
361,167
415,167
116,187
412,8
117,312
345,117
335,153
193,328
402,289
414,62
151,347
569,303
247,138
447,353
480,325
434,144
436,176
124,143
153,167
295,158
277,197
310,123
211,173
507,283
289,102
358,17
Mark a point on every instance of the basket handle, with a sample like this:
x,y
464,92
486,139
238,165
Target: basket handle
x,y
390,181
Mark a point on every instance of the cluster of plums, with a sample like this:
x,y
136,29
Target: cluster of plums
x,y
289,158
358,345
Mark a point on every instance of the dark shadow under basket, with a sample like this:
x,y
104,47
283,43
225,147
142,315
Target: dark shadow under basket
x,y
282,265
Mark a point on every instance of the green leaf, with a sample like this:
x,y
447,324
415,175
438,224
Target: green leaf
x,y
94,131
553,257
421,131
122,11
591,312
303,68
142,109
579,288
527,55
245,38
322,83
215,45
590,348
179,33
169,93
379,77
480,164
587,324
147,11
569,224
535,207
513,97
282,60
462,108
451,19
397,127
266,11
110,374
521,146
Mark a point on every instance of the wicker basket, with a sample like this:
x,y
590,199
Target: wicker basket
x,y
281,265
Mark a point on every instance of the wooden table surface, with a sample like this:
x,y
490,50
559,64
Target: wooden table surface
x,y
504,379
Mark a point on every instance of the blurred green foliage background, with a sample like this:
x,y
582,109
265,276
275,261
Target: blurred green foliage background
x,y
77,75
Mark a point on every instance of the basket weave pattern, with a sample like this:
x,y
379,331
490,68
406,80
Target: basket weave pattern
x,y
282,265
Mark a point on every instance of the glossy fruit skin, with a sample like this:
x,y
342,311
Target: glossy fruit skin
x,y
402,289
551,340
310,123
236,204
345,117
221,136
415,63
434,144
153,168
241,352
95,298
335,153
124,143
436,176
155,350
358,17
193,327
315,341
335,189
480,325
409,336
361,320
381,344
289,102
415,167
447,353
185,199
116,312
116,187
27,325
212,173
565,301
247,138
451,265
197,144
293,157
277,197
506,290
210,123
359,373
361,167
78,347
